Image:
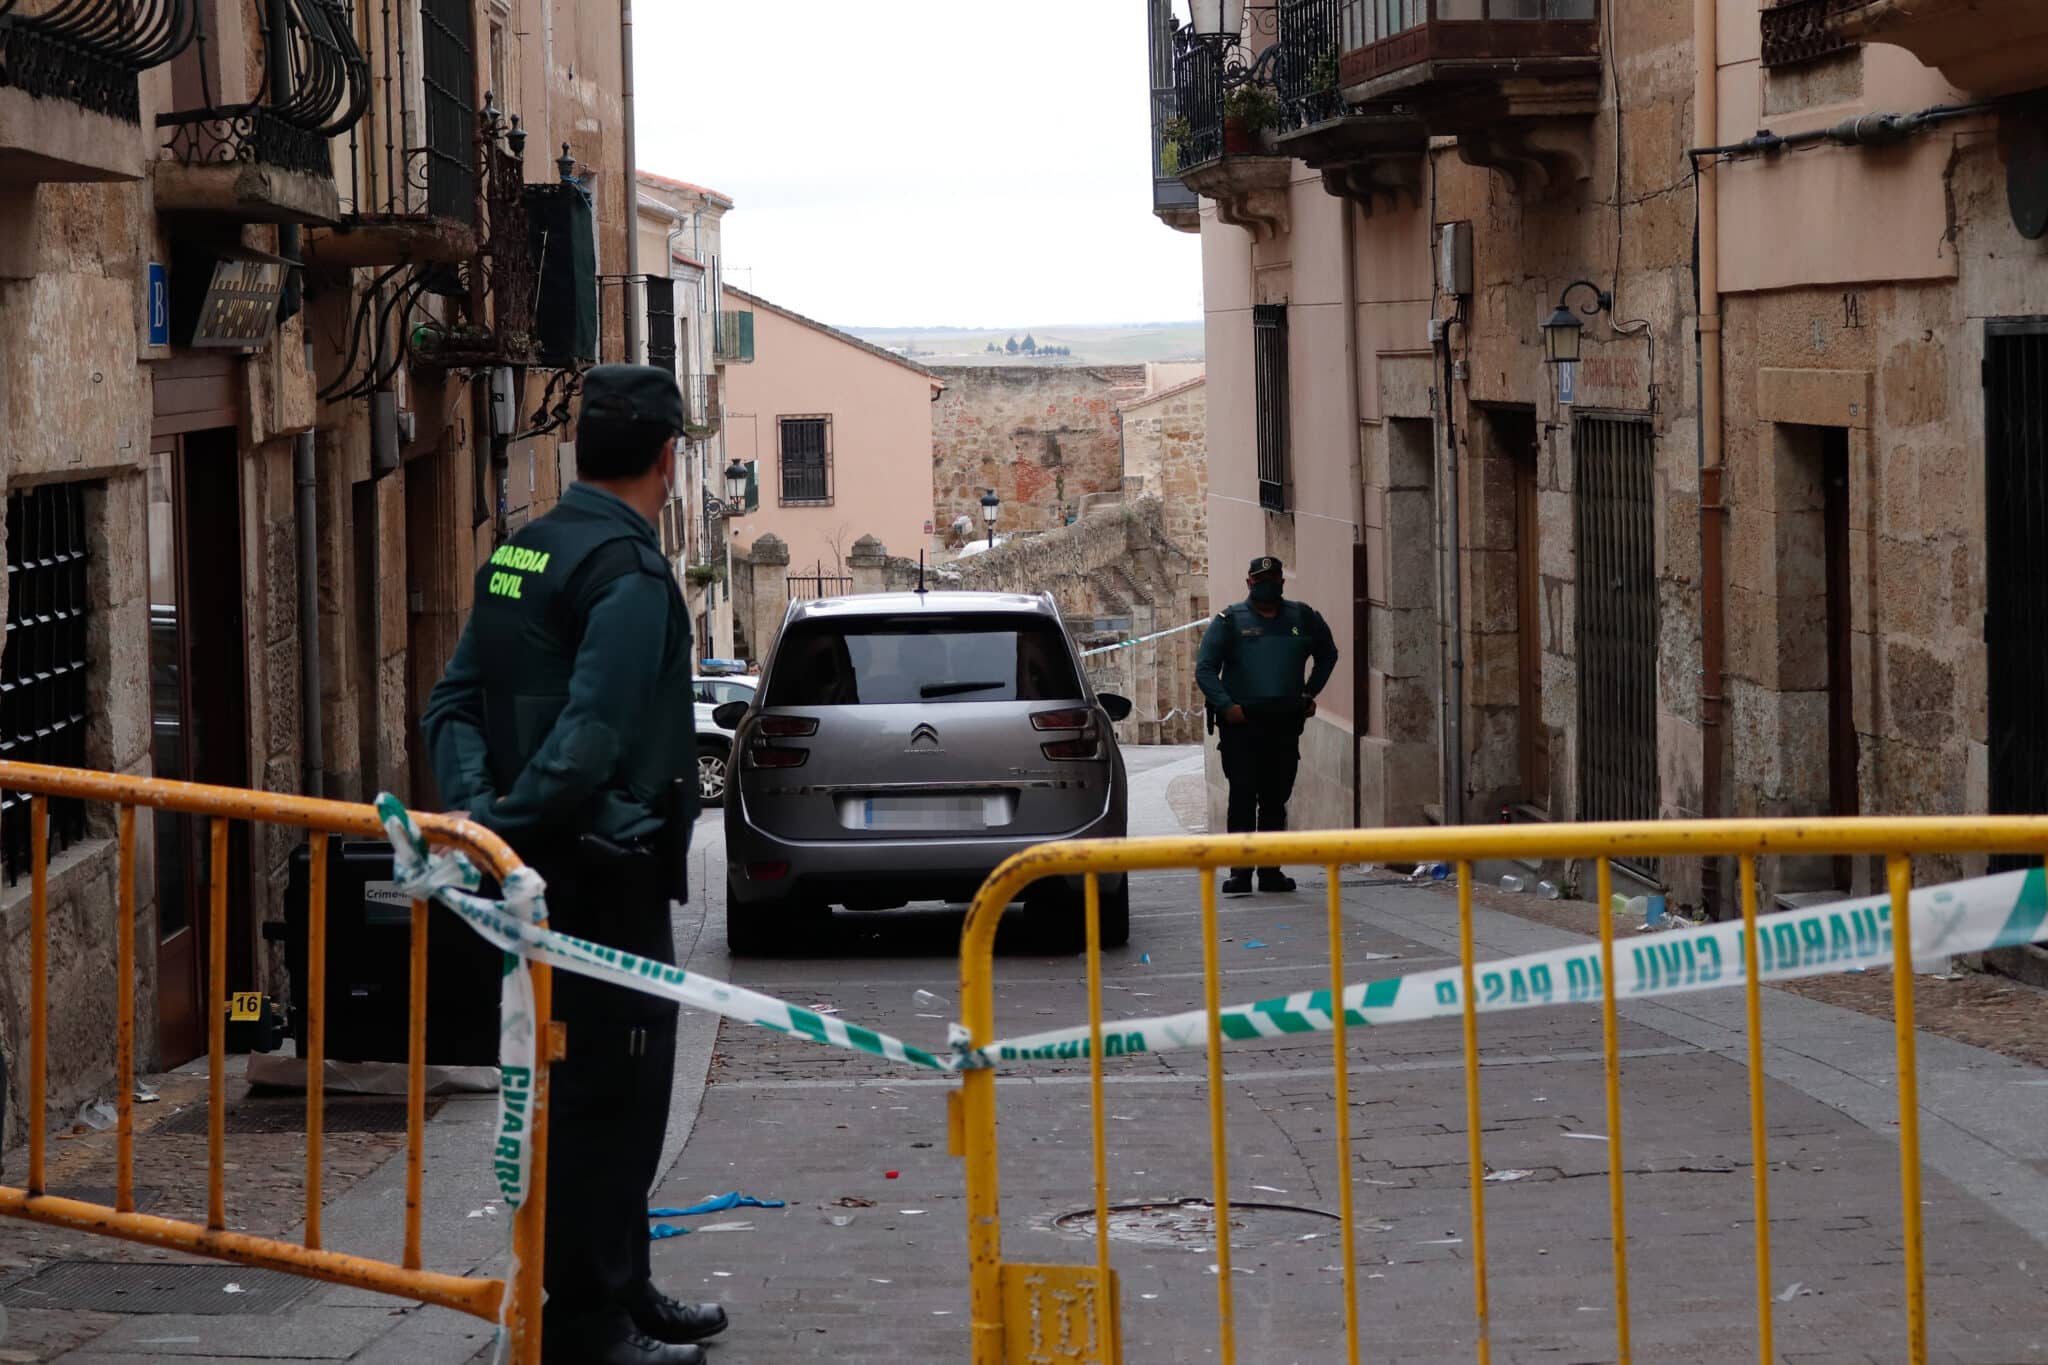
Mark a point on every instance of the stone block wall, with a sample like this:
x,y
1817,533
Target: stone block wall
x,y
1166,454
1042,437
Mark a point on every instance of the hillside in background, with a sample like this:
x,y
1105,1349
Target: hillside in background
x,y
1084,345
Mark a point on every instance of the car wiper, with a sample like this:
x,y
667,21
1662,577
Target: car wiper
x,y
954,689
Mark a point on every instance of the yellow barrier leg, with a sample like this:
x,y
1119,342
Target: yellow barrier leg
x,y
217,1035
1611,1048
416,1090
1759,1143
1473,1140
1338,1025
38,987
316,1037
124,1018
1901,870
1226,1325
1103,1291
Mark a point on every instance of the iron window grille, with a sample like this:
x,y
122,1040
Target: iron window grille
x,y
1269,372
447,31
1797,31
805,444
2016,558
1615,542
43,673
661,323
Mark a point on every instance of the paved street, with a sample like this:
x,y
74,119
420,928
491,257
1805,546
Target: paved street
x,y
835,1277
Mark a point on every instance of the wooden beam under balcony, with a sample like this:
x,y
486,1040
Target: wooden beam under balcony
x,y
376,240
1249,191
1986,47
1370,158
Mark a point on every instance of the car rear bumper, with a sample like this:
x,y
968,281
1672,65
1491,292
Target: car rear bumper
x,y
881,873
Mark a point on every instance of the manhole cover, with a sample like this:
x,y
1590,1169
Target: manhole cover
x,y
289,1116
113,1287
1191,1224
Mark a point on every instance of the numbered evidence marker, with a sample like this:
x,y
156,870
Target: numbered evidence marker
x,y
245,1006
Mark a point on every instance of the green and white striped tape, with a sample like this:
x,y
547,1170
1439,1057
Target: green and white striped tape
x,y
1960,917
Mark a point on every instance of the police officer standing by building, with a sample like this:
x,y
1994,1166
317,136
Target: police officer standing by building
x,y
565,724
1251,670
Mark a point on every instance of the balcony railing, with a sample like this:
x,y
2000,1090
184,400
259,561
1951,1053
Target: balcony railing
x,y
286,129
703,405
89,52
1173,202
1390,43
1796,31
1305,65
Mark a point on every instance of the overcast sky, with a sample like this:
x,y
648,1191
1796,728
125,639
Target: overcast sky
x,y
978,163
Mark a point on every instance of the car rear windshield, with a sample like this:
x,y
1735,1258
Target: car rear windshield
x,y
881,661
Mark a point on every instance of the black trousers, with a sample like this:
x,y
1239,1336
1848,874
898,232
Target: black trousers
x,y
1260,760
608,1104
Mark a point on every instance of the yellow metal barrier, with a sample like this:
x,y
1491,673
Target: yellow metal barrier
x,y
483,1298
1011,1303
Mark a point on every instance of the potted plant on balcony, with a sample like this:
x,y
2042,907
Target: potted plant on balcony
x,y
1173,135
1248,112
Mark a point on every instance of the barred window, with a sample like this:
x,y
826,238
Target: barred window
x,y
1269,381
43,668
806,460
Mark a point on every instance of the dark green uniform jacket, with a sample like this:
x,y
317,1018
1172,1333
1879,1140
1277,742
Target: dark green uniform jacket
x,y
568,708
1250,661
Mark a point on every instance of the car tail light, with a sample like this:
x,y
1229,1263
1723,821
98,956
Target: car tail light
x,y
786,727
1083,747
761,755
1078,719
767,872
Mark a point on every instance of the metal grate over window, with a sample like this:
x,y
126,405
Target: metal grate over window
x,y
2016,559
44,666
1616,543
806,446
1269,362
449,36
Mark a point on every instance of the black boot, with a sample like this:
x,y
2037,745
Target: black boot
x,y
662,1318
561,1348
1238,883
1273,879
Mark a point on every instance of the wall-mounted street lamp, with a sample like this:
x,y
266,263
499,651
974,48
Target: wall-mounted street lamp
x,y
735,487
1217,20
1562,330
990,506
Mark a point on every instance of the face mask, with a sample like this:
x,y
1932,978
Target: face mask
x,y
1266,593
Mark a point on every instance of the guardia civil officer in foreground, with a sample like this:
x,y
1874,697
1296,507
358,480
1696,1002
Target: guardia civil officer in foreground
x,y
564,723
1254,669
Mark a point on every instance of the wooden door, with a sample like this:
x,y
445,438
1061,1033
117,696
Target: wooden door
x,y
199,716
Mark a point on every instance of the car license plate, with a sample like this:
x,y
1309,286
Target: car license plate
x,y
924,814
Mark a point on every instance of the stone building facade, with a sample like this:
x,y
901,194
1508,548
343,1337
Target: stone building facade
x,y
156,439
1045,438
1736,559
1166,455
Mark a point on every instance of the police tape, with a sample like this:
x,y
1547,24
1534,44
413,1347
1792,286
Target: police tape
x,y
1960,917
516,925
1142,639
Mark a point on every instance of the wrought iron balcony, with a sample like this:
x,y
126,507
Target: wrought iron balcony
x,y
1226,111
1366,155
1987,47
1172,202
409,181
86,55
268,159
1515,81
1421,47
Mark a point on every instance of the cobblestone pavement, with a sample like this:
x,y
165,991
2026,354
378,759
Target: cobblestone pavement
x,y
833,1278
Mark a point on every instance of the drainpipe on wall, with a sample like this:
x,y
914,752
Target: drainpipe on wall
x,y
1361,721
1707,359
306,513
1454,606
633,330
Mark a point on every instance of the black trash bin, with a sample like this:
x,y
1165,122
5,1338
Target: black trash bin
x,y
369,965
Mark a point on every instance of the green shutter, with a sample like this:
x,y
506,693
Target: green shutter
x,y
747,335
753,486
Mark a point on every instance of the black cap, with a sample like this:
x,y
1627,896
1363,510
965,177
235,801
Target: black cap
x,y
1263,565
633,393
